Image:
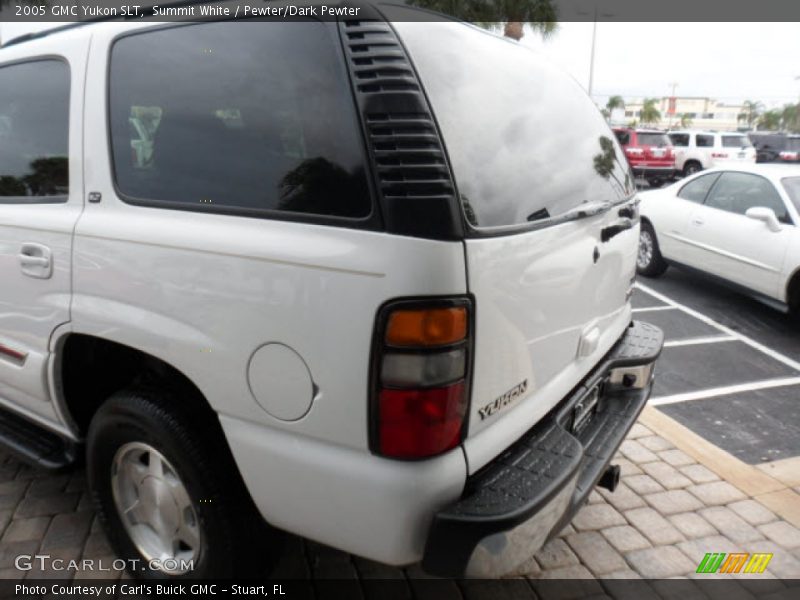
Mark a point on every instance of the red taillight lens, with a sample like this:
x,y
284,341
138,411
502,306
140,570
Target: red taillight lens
x,y
420,373
421,423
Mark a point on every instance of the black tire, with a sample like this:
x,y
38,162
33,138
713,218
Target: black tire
x,y
233,539
655,182
649,263
691,167
793,294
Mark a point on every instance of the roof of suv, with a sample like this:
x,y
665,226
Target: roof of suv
x,y
42,30
706,132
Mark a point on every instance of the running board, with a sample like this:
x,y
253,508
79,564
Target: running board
x,y
35,445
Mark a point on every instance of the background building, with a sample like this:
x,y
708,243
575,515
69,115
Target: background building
x,y
696,112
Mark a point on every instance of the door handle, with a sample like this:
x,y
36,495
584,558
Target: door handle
x,y
698,221
36,260
33,261
615,229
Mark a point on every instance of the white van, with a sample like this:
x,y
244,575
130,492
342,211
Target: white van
x,y
354,291
698,150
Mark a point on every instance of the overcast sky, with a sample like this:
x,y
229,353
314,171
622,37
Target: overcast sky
x,y
727,61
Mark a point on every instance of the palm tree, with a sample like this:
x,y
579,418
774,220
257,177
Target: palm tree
x,y
770,120
614,102
686,120
650,113
750,111
790,117
510,16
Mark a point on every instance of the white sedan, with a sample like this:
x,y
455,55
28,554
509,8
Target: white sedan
x,y
740,224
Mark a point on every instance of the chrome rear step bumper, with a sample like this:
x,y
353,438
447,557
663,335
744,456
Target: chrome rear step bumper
x,y
527,494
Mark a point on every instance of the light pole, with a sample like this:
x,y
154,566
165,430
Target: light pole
x,y
591,55
594,41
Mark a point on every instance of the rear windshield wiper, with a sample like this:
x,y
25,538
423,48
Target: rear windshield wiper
x,y
587,209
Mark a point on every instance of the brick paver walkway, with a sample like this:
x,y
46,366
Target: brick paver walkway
x,y
668,511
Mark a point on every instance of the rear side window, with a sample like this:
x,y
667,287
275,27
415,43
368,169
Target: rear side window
x,y
34,132
705,141
652,139
679,139
697,189
236,117
525,142
735,141
623,137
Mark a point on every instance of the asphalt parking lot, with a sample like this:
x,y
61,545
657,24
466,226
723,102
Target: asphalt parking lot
x,y
712,466
730,370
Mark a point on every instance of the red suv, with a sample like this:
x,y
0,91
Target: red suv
x,y
649,153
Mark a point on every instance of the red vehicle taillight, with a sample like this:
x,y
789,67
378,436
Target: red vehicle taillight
x,y
420,377
633,151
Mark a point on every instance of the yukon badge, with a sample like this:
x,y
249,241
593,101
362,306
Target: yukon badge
x,y
502,401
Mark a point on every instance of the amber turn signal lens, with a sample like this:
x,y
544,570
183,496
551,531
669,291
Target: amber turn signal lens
x,y
427,327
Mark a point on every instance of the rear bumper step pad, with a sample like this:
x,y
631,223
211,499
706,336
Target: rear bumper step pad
x,y
528,493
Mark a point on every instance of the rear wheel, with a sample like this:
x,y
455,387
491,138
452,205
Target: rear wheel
x,y
171,502
691,167
655,182
793,296
649,261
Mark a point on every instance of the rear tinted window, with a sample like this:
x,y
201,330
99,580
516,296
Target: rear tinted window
x,y
735,141
525,142
679,139
705,141
652,139
236,117
623,137
34,132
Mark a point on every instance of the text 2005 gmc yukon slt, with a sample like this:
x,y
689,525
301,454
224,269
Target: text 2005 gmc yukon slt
x,y
367,279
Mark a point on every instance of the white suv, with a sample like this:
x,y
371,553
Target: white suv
x,y
698,150
352,293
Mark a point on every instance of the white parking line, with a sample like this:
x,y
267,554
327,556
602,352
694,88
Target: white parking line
x,y
709,339
721,391
653,308
727,330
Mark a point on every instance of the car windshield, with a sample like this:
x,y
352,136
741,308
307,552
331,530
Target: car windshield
x,y
652,139
792,187
735,141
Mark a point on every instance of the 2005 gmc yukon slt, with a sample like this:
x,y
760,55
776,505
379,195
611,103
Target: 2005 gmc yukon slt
x,y
368,280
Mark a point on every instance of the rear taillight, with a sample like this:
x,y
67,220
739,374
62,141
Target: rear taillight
x,y
420,377
632,151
